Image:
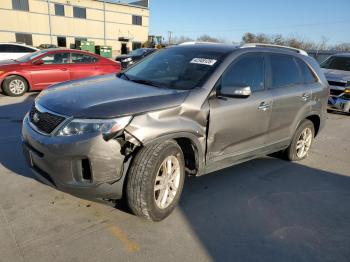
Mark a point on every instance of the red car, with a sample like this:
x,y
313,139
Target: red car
x,y
41,69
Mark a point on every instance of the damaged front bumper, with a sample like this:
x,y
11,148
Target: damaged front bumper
x,y
339,103
82,165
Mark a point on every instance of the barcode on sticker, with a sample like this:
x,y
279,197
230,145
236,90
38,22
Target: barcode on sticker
x,y
203,61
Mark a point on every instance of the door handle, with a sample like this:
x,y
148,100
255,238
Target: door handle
x,y
63,69
264,106
305,96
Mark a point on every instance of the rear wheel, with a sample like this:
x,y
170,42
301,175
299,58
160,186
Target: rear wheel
x,y
155,180
302,141
15,86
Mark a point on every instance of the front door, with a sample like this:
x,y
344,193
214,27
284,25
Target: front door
x,y
238,126
53,70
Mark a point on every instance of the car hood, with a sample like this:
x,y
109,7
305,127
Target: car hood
x,y
107,97
125,56
337,75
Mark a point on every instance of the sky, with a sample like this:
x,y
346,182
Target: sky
x,y
230,19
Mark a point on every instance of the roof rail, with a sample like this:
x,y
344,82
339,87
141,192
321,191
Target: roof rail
x,y
197,43
300,51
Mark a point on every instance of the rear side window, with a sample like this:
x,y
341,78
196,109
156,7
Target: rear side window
x,y
307,74
247,71
15,49
78,58
285,71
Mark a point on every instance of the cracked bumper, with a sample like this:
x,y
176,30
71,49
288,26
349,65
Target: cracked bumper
x,y
62,163
339,103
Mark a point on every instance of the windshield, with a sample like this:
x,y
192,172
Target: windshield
x,y
138,52
30,56
337,63
176,68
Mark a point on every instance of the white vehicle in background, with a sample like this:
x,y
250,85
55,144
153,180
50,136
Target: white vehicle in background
x,y
10,51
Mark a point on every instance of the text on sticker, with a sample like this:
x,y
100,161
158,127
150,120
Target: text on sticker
x,y
203,61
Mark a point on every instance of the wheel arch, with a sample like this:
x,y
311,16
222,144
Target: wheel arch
x,y
191,148
316,120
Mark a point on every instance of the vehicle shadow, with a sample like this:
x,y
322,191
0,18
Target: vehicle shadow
x,y
11,116
270,210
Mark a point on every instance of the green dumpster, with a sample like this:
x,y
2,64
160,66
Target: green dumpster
x,y
87,46
103,50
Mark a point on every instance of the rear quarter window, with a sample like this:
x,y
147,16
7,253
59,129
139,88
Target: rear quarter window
x,y
285,71
308,76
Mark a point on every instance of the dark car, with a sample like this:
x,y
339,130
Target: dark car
x,y
134,56
189,109
37,71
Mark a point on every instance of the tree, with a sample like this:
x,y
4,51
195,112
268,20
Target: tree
x,y
207,38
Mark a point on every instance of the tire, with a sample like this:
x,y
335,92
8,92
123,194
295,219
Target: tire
x,y
306,128
146,173
15,86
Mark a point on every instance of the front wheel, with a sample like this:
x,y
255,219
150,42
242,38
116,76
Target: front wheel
x,y
15,86
155,180
301,142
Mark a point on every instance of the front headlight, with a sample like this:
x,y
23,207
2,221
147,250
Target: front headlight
x,y
108,127
129,59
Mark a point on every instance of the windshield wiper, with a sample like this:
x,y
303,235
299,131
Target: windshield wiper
x,y
125,75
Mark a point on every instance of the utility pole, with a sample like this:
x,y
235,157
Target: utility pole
x,y
104,21
49,13
170,35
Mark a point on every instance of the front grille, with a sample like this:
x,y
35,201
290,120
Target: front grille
x,y
335,83
44,121
335,92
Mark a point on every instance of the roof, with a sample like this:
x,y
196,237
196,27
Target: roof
x,y
227,47
342,54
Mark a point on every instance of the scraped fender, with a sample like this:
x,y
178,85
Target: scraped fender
x,y
172,123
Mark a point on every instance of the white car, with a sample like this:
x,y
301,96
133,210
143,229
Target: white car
x,y
14,50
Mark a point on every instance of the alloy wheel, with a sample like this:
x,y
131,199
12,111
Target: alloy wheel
x,y
167,182
304,143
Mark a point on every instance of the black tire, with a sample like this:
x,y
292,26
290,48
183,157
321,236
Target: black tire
x,y
141,180
291,151
6,85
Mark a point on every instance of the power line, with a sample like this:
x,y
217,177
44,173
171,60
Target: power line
x,y
265,27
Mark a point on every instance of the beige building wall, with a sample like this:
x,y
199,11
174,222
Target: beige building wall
x,y
117,25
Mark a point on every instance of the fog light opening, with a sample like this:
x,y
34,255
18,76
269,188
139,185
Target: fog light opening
x,y
86,169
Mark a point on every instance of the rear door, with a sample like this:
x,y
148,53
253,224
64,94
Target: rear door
x,y
291,97
238,126
83,65
53,70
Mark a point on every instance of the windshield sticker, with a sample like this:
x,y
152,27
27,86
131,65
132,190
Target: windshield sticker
x,y
203,61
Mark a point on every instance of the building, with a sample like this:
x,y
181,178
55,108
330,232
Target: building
x,y
65,23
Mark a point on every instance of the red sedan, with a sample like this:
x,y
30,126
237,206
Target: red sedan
x,y
41,69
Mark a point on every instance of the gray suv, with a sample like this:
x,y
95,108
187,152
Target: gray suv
x,y
189,109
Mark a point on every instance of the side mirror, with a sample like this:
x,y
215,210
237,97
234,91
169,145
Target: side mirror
x,y
235,91
38,62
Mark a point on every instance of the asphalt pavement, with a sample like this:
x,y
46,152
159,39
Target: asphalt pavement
x,y
267,209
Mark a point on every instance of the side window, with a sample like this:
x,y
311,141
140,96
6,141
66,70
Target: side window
x,y
54,59
6,49
21,49
285,71
247,71
78,58
306,72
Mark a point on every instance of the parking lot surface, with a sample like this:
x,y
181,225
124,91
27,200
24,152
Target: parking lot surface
x,y
263,210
